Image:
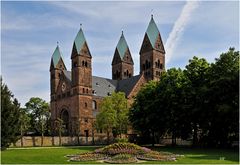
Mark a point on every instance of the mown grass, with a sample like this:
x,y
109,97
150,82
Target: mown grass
x,y
56,155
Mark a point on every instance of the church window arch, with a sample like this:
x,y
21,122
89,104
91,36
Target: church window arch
x,y
85,105
86,64
83,90
82,63
94,104
87,90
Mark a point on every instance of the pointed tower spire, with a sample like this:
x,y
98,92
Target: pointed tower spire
x,y
152,53
122,46
122,57
57,58
80,43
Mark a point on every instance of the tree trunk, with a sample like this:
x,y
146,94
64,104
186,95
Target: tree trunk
x,y
60,138
194,142
173,139
153,140
108,138
21,138
42,139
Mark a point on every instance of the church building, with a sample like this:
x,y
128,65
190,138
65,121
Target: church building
x,y
76,93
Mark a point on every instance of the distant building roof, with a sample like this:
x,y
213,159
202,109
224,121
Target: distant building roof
x,y
104,87
126,85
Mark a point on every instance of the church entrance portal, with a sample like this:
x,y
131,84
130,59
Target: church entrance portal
x,y
65,119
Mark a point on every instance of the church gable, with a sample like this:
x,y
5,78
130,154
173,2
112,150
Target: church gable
x,y
159,44
127,57
64,84
116,58
146,45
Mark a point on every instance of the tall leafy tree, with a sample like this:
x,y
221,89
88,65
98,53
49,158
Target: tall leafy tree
x,y
171,93
39,112
224,99
144,112
24,123
10,113
197,74
113,115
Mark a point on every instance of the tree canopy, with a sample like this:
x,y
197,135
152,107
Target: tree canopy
x,y
200,103
10,113
113,117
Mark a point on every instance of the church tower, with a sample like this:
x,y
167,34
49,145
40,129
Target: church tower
x,y
56,67
152,53
122,63
82,84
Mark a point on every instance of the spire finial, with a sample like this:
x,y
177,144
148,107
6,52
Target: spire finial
x,y
80,25
152,13
57,43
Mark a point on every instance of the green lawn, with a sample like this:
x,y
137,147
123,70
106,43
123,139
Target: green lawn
x,y
56,155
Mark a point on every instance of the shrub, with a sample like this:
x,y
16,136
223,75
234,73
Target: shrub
x,y
121,140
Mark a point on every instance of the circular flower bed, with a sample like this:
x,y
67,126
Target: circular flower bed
x,y
123,153
121,158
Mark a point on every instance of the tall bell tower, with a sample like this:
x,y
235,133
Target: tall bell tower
x,y
82,84
152,53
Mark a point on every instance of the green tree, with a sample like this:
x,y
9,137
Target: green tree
x,y
224,99
144,113
60,129
10,114
24,123
113,115
171,94
39,112
197,74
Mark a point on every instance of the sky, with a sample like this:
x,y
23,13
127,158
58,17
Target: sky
x,y
30,31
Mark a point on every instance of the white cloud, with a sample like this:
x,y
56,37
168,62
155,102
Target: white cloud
x,y
179,27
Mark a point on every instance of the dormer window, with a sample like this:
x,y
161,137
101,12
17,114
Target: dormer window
x,y
94,92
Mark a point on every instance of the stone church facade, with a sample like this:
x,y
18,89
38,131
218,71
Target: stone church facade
x,y
76,94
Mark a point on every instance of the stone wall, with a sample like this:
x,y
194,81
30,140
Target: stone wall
x,y
34,141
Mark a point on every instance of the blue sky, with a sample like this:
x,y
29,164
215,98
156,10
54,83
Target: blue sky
x,y
30,31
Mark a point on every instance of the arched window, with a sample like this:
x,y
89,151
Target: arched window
x,y
127,72
143,66
85,105
85,63
94,104
82,63
87,90
83,90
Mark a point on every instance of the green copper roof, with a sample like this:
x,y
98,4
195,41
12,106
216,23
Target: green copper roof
x,y
122,46
56,56
79,40
152,32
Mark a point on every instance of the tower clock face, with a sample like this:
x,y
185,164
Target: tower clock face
x,y
63,87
